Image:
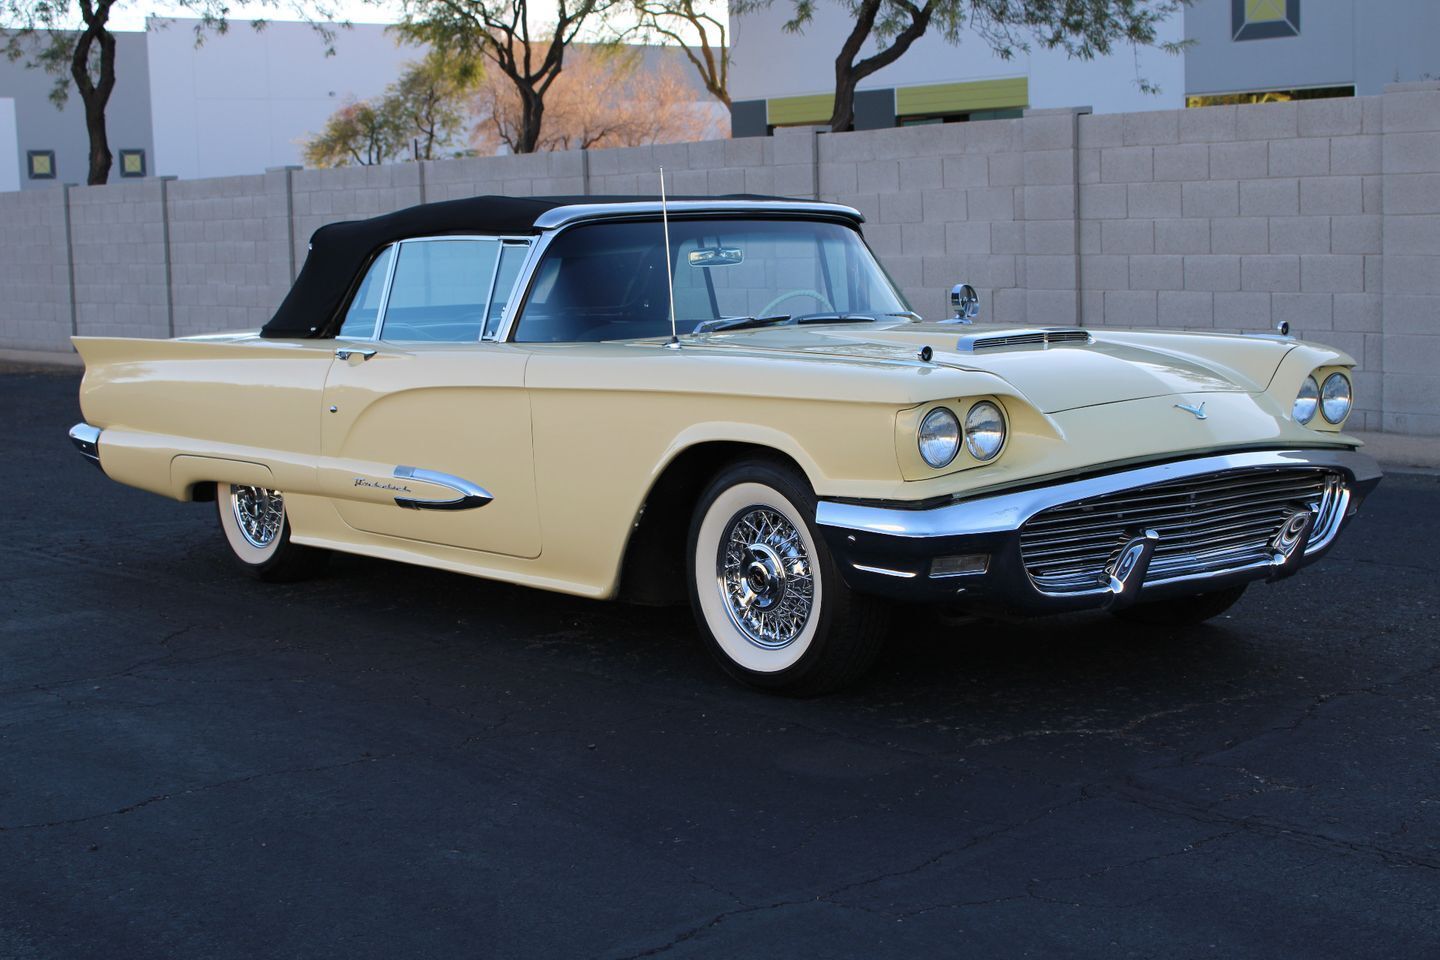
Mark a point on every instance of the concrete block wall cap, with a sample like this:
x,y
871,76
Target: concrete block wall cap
x,y
1056,111
1413,86
282,169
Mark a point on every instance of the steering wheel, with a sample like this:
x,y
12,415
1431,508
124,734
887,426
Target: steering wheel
x,y
815,295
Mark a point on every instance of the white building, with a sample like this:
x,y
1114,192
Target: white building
x,y
246,100
239,103
780,79
1237,50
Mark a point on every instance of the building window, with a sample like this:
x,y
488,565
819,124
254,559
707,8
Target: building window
x,y
132,163
1268,96
1264,19
40,164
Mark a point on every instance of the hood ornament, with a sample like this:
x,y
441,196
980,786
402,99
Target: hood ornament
x,y
1198,411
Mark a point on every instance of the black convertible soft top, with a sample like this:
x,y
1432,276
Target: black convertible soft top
x,y
340,251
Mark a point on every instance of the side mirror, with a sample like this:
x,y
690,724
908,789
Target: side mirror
x,y
965,302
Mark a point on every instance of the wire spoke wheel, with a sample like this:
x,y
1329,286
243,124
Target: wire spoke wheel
x,y
766,577
259,513
772,608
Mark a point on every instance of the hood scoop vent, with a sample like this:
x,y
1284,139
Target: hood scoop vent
x,y
1035,337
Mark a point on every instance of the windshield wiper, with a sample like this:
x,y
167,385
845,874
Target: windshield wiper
x,y
739,323
908,314
835,318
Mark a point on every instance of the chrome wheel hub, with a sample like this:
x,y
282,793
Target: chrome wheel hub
x,y
766,578
259,512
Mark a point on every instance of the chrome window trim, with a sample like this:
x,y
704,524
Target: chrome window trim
x,y
385,291
576,212
1007,512
509,306
384,297
384,307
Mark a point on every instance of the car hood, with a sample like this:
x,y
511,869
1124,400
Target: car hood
x,y
1106,367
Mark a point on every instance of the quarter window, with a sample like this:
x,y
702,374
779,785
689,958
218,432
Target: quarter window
x,y
441,290
512,258
364,310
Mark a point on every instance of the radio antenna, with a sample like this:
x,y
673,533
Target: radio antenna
x,y
674,343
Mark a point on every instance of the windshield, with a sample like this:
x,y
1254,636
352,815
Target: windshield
x,y
606,281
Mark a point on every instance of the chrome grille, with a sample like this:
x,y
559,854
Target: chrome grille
x,y
1206,524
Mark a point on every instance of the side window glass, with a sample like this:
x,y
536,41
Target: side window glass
x,y
365,307
441,290
512,258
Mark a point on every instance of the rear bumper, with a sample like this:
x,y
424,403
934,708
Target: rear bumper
x,y
891,551
87,440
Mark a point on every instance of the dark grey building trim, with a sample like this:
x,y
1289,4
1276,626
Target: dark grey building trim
x,y
874,109
1242,29
749,118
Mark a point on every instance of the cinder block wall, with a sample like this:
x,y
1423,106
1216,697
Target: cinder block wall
x,y
35,301
230,255
1325,214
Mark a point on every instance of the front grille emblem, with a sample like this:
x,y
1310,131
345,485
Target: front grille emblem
x,y
1198,411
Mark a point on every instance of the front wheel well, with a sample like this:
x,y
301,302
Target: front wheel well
x,y
652,571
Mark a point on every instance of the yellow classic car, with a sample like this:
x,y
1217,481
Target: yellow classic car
x,y
728,399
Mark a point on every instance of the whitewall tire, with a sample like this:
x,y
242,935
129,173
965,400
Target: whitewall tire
x,y
771,605
257,531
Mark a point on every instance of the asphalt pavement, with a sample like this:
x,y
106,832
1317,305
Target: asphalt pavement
x,y
392,762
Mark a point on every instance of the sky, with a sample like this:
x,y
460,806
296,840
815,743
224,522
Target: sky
x,y
132,15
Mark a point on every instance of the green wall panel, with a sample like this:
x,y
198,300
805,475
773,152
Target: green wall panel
x,y
961,97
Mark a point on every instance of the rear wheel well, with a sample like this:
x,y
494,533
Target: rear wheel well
x,y
653,569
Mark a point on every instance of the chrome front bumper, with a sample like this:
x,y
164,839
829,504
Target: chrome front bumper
x,y
890,550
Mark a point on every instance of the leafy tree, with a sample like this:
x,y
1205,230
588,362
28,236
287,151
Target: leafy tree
x,y
422,112
44,34
428,101
697,27
603,99
501,32
366,133
1084,29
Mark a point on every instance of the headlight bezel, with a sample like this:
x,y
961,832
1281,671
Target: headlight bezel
x,y
940,413
914,466
1349,397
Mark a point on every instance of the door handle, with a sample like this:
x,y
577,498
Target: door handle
x,y
345,353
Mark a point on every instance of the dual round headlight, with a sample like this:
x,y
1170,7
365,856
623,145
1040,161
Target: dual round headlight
x,y
1332,400
940,434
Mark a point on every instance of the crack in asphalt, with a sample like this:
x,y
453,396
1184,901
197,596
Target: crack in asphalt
x,y
188,791
1124,731
829,897
1207,814
1031,886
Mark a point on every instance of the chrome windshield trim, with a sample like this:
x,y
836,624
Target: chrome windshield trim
x,y
1005,512
572,213
602,211
87,440
470,496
